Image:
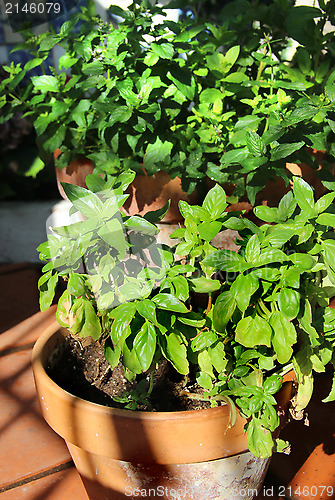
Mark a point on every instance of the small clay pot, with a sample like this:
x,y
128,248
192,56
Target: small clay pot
x,y
120,452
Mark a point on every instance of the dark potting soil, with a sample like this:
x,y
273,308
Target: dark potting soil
x,y
81,369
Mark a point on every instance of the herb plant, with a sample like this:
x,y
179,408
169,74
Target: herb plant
x,y
194,98
266,308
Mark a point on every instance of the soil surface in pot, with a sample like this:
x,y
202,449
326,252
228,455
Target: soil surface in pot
x,y
81,369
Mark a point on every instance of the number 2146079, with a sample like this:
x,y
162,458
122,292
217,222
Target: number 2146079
x,y
306,491
33,8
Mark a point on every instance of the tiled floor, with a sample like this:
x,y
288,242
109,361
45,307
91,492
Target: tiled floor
x,y
34,461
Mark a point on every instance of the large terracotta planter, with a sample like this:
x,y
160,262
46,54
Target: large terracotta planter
x,y
153,192
146,192
125,454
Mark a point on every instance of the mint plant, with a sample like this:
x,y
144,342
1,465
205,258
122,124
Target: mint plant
x,y
266,306
194,98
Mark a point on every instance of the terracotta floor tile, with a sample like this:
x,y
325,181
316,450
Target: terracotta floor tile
x,y
18,283
316,478
27,331
27,444
63,485
312,459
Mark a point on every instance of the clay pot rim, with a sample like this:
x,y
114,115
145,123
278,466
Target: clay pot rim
x,y
38,354
175,437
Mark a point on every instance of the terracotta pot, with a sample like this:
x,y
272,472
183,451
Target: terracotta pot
x,y
153,192
75,173
273,192
146,192
126,454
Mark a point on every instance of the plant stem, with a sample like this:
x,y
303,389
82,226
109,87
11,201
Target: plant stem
x,y
263,309
209,304
151,383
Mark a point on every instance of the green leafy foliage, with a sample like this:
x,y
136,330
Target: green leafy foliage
x,y
190,98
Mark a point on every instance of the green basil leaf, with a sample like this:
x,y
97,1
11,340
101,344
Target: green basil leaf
x,y
193,319
157,152
155,216
183,80
147,309
255,144
140,224
243,288
169,302
122,315
224,308
75,285
76,316
163,50
176,352
45,83
284,336
215,201
234,223
272,384
326,219
286,206
289,302
85,201
303,260
63,309
208,230
251,332
112,233
129,356
278,235
226,260
260,441
306,233
253,250
145,345
291,277
112,354
270,255
267,214
205,338
285,150
204,285
47,288
324,202
91,326
304,195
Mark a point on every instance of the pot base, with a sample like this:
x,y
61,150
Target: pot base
x,y
238,477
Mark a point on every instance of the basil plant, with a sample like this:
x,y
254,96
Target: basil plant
x,y
266,307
